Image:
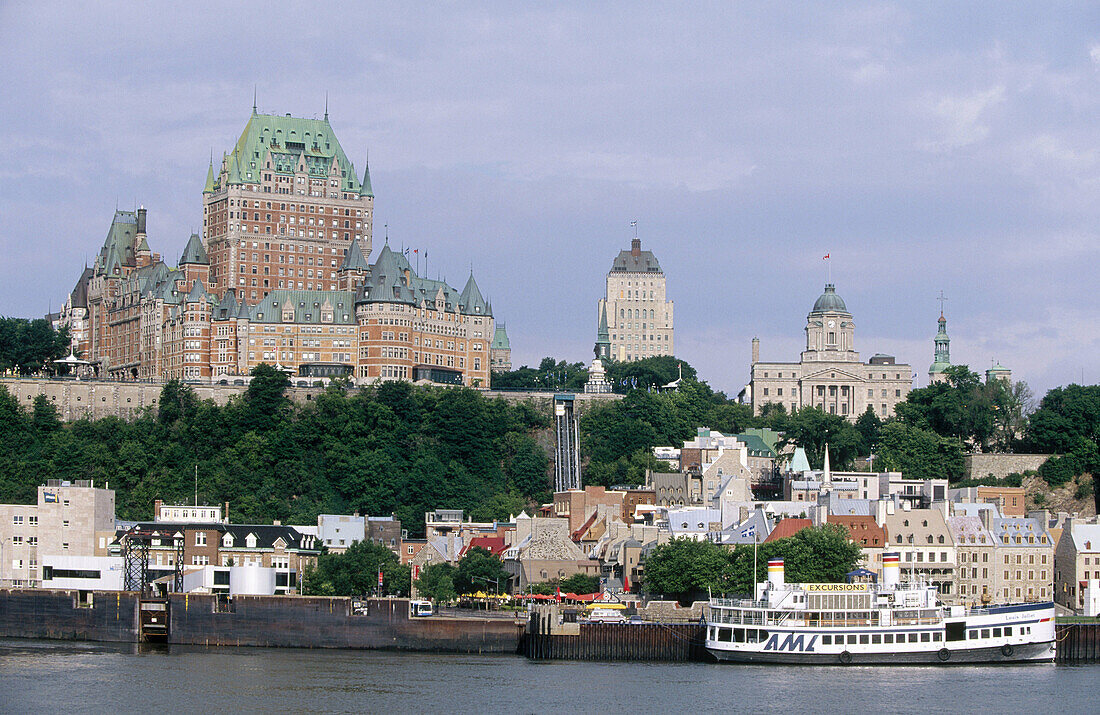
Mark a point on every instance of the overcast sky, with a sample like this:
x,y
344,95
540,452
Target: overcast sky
x,y
924,146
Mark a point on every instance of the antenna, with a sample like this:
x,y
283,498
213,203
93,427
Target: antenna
x,y
326,106
254,99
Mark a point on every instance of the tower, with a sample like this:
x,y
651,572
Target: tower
x,y
941,359
830,331
603,340
283,207
639,320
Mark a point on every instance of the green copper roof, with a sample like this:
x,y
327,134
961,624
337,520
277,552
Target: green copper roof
x,y
194,252
471,301
118,248
365,189
307,305
355,260
941,359
197,293
282,144
500,338
209,179
829,302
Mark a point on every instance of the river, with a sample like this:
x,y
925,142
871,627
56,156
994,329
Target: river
x,y
55,676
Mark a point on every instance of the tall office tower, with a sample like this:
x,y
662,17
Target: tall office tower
x,y
634,315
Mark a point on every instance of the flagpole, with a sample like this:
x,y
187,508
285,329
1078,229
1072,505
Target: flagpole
x,y
754,564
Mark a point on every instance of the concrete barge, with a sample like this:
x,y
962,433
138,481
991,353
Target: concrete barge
x,y
263,621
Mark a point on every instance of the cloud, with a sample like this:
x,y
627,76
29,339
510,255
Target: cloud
x,y
961,118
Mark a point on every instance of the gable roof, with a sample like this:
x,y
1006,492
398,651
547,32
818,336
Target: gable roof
x,y
788,527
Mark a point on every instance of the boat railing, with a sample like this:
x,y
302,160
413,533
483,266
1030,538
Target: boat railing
x,y
737,603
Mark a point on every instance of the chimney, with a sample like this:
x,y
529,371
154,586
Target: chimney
x,y
156,509
636,247
225,513
141,220
755,350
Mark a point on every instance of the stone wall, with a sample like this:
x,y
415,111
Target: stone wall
x,y
999,466
75,399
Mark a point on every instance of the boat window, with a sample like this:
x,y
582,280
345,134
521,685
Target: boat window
x,y
876,638
738,635
985,633
851,639
956,631
996,632
912,637
888,638
826,640
973,633
925,637
864,639
725,634
937,636
1008,630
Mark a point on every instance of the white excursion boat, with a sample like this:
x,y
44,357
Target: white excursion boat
x,y
864,623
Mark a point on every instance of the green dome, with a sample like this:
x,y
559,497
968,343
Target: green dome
x,y
829,302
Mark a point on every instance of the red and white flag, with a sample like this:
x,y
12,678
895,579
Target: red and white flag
x,y
825,257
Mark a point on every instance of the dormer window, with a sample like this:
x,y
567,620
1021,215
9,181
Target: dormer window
x,y
227,541
250,541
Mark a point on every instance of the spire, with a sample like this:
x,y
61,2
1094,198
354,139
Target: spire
x,y
826,475
209,178
254,99
603,338
471,299
326,106
365,189
941,359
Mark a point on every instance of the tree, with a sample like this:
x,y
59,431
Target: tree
x,y
960,407
355,572
811,429
265,401
868,426
29,346
580,584
436,583
479,570
684,567
919,453
651,372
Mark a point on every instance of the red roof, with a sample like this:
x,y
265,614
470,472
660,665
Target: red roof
x,y
493,544
788,527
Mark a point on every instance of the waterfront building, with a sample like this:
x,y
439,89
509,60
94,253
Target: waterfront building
x,y
384,531
871,537
635,320
339,531
1025,560
1010,501
68,519
830,375
283,207
975,549
927,550
177,514
542,551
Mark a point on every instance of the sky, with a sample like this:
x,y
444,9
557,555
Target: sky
x,y
925,147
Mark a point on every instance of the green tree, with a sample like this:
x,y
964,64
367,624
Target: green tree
x,y
868,426
265,401
436,583
684,567
811,429
479,570
580,584
919,453
651,372
30,346
355,572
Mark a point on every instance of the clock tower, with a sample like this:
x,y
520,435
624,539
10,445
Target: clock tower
x,y
830,331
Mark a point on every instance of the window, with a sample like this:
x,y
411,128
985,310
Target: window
x,y
200,538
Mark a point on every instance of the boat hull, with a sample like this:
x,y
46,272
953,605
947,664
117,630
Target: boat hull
x,y
1042,652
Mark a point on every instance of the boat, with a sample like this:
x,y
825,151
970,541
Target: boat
x,y
886,623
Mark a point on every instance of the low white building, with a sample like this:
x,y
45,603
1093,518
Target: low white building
x,y
82,573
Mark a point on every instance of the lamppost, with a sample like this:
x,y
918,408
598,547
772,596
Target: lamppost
x,y
494,581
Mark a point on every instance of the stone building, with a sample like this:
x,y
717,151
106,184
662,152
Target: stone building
x,y
830,375
975,550
283,207
1024,568
924,541
68,519
635,319
1077,562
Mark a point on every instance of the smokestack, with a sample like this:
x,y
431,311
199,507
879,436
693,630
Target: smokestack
x,y
891,570
755,350
141,220
776,577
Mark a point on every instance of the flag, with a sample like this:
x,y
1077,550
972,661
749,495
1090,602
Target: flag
x,y
406,251
825,257
379,578
626,582
416,250
746,533
557,594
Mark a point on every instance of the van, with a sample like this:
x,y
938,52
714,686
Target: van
x,y
606,615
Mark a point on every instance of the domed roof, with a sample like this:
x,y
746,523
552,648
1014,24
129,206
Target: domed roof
x,y
830,302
